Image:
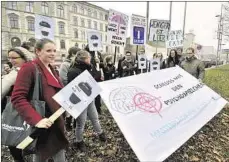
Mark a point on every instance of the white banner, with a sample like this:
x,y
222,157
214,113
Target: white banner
x,y
175,39
159,111
44,27
138,30
117,28
158,31
78,94
94,41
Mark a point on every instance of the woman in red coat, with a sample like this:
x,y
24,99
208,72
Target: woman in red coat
x,y
53,141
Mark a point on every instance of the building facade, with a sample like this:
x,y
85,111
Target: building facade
x,y
72,22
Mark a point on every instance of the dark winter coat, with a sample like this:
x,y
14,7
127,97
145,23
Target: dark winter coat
x,y
77,69
109,72
128,68
97,74
53,139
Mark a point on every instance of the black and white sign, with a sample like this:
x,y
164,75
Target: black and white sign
x,y
44,27
159,31
175,39
78,94
117,28
142,60
155,64
138,30
94,41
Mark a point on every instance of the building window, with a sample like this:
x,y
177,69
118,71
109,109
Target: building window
x,y
95,14
89,23
82,35
74,9
101,26
12,5
107,49
82,22
105,28
106,17
62,44
95,25
13,20
61,27
76,33
60,11
32,41
82,10
29,7
15,42
89,12
44,8
31,22
101,16
75,20
105,38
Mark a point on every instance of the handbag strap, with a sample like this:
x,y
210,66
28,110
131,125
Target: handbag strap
x,y
37,91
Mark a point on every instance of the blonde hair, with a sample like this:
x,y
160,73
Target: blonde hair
x,y
80,56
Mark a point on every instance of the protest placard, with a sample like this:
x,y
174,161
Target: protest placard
x,y
138,30
153,108
175,39
44,27
142,61
117,28
158,32
155,64
78,94
94,41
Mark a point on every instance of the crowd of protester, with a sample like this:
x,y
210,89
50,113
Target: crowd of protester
x,y
18,80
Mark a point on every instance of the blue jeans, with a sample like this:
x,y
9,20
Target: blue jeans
x,y
59,157
81,121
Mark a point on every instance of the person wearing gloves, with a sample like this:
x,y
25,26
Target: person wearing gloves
x,y
17,56
193,66
81,63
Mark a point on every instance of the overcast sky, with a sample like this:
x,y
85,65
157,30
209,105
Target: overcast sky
x,y
200,16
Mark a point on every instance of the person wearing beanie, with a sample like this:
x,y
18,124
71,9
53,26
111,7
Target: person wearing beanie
x,y
81,63
17,56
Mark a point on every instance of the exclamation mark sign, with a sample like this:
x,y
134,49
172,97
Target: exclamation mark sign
x,y
138,34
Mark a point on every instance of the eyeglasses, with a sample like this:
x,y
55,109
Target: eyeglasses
x,y
13,58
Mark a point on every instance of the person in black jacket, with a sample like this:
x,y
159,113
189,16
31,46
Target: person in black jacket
x,y
79,65
97,73
128,66
109,69
120,66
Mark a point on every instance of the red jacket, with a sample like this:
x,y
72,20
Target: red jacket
x,y
54,138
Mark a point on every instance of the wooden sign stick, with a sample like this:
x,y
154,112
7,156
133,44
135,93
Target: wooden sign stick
x,y
29,140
